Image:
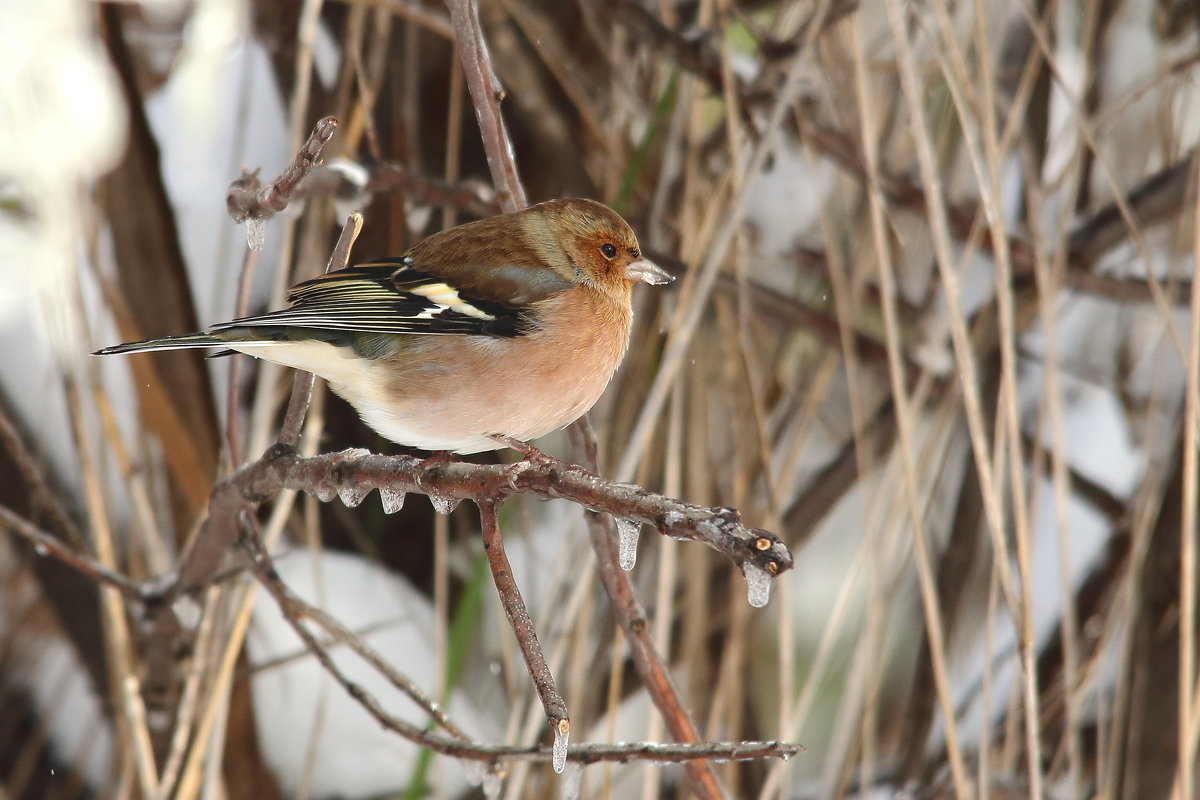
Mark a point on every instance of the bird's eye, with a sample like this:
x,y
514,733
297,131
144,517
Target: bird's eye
x,y
608,250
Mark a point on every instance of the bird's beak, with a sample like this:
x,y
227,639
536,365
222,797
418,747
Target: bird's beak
x,y
647,271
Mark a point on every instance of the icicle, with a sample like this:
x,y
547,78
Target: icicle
x,y
758,585
392,500
443,504
256,233
325,493
627,542
352,495
562,732
493,782
572,780
475,771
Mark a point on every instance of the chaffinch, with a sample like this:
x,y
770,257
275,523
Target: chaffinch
x,y
509,326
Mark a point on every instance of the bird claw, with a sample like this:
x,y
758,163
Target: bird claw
x,y
531,456
436,459
514,470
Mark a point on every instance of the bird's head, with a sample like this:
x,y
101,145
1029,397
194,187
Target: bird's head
x,y
594,245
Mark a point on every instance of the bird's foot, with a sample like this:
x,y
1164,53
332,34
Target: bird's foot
x,y
531,456
435,459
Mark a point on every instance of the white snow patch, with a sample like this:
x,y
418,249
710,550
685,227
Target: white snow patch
x,y
309,729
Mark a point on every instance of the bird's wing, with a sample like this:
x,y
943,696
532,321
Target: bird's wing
x,y
389,297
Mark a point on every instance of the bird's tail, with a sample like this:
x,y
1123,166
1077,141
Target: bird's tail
x,y
180,342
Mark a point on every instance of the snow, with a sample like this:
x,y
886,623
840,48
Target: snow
x,y
308,727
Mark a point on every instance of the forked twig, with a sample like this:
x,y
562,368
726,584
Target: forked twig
x,y
455,742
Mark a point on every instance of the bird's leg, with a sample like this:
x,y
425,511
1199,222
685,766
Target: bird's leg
x,y
530,452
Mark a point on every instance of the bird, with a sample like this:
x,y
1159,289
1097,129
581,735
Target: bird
x,y
493,332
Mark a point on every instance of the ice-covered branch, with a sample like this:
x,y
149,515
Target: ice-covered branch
x,y
351,474
248,199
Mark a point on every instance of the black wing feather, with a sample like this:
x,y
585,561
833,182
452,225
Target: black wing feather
x,y
389,297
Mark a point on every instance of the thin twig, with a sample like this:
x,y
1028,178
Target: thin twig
x,y
233,392
518,617
42,496
487,93
469,196
47,544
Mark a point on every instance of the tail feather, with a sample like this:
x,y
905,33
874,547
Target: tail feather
x,y
180,342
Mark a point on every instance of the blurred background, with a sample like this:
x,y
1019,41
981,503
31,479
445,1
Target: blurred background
x,y
933,326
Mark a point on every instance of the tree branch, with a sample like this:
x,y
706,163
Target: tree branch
x,y
247,199
355,472
486,94
523,629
